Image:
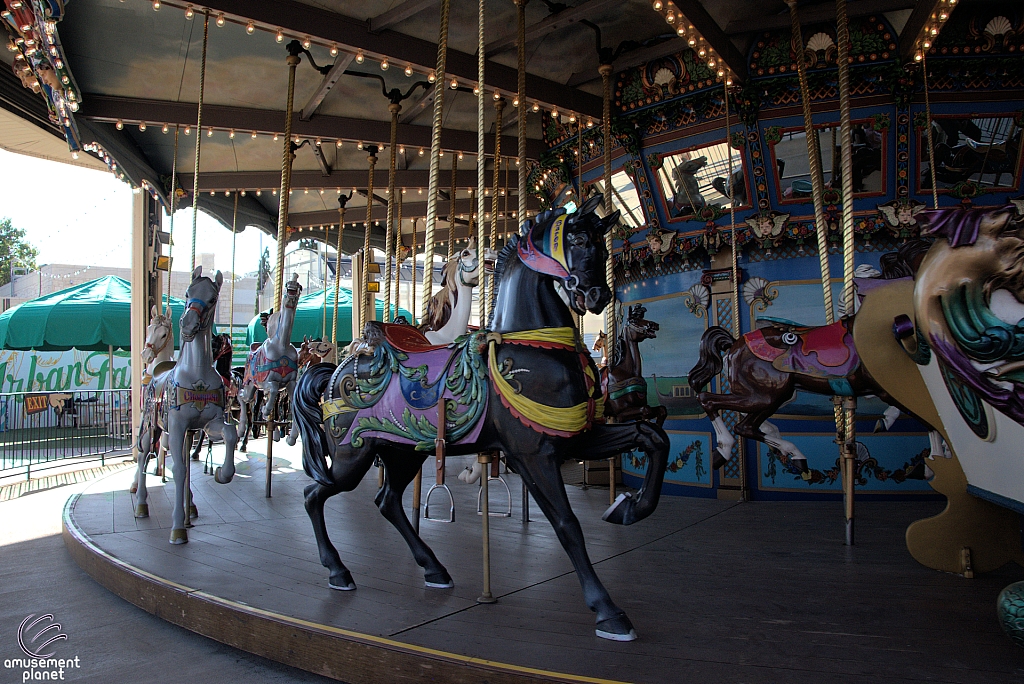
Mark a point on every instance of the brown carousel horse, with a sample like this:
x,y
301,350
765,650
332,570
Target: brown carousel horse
x,y
623,380
222,354
765,367
312,352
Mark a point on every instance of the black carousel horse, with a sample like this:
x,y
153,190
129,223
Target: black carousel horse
x,y
525,386
623,378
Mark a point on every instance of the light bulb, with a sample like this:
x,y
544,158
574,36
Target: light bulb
x,y
188,130
926,43
250,28
142,125
692,41
918,56
401,149
189,12
334,49
454,84
497,96
275,137
254,135
220,20
231,133
259,192
421,152
306,42
280,36
242,193
156,5
359,57
554,113
408,69
119,125
337,143
515,101
384,64
165,128
432,76
670,17
359,145
657,5
460,156
476,90
209,132
572,117
441,153
536,107
590,122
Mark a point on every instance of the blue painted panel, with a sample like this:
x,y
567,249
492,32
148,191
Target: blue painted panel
x,y
689,460
885,462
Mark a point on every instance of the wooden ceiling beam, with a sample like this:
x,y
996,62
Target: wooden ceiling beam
x,y
705,24
396,15
922,15
550,24
267,121
410,210
411,179
302,19
816,14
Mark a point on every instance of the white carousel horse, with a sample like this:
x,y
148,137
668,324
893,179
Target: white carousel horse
x,y
270,367
448,311
159,349
189,396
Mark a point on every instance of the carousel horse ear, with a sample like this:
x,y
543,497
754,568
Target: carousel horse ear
x,y
153,311
611,220
198,273
219,279
591,204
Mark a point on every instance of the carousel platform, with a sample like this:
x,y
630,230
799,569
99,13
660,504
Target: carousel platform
x,y
717,590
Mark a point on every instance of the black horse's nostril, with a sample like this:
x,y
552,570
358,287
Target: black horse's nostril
x,y
597,298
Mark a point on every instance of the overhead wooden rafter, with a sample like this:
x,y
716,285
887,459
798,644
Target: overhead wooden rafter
x,y
816,14
353,35
551,23
268,121
409,210
329,81
708,28
314,180
923,27
396,15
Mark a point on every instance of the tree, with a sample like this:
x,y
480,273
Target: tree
x,y
15,251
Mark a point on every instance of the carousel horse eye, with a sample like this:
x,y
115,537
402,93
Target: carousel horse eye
x,y
789,338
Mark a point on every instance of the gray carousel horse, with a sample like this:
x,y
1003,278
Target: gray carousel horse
x,y
271,367
189,396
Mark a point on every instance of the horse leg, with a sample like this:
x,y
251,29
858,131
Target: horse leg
x,y
293,432
199,446
400,471
224,473
937,445
723,438
611,440
268,411
176,437
544,480
347,470
141,493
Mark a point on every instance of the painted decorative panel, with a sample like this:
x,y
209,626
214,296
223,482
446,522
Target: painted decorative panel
x,y
689,460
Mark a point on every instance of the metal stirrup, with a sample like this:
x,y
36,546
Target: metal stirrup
x,y
480,493
439,450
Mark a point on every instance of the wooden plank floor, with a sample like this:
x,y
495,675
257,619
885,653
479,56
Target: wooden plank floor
x,y
718,591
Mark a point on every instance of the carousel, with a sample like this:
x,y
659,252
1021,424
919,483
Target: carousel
x,y
757,265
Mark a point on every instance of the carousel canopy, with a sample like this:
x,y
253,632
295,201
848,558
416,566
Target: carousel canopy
x,y
92,316
309,318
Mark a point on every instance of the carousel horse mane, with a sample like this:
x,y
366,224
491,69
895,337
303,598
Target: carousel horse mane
x,y
904,262
439,309
511,247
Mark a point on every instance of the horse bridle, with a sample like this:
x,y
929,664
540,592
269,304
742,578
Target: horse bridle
x,y
167,338
202,309
462,270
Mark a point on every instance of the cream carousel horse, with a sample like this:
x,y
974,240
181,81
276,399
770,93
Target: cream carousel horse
x,y
159,349
448,310
271,367
188,396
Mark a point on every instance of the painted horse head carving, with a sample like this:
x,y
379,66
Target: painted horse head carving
x,y
571,248
637,327
200,304
158,337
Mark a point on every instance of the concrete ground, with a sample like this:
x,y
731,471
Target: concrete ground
x,y
114,640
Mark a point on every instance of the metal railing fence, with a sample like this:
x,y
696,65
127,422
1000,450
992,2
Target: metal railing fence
x,y
42,430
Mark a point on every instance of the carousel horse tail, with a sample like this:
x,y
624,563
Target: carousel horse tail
x,y
715,341
306,406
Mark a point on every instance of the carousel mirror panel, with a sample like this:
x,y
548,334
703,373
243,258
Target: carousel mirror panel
x,y
693,179
984,150
792,165
624,198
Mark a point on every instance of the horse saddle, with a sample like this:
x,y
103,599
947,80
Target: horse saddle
x,y
404,338
820,351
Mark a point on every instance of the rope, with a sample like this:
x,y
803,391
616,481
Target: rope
x,y
451,213
435,159
734,259
174,204
286,183
521,114
199,137
234,240
928,122
481,161
606,129
814,158
395,109
337,277
364,306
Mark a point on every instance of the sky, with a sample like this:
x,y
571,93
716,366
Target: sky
x,y
74,215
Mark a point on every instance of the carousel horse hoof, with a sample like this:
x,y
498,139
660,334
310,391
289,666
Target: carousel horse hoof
x,y
342,582
221,479
277,435
193,512
620,512
716,460
179,536
134,488
290,441
801,465
142,511
618,628
439,580
195,457
879,427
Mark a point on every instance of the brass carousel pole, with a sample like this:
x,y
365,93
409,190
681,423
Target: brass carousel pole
x,y
287,155
199,138
451,212
435,161
234,240
398,259
928,129
174,205
521,152
412,294
734,249
486,457
342,201
499,106
389,234
849,403
364,307
609,312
